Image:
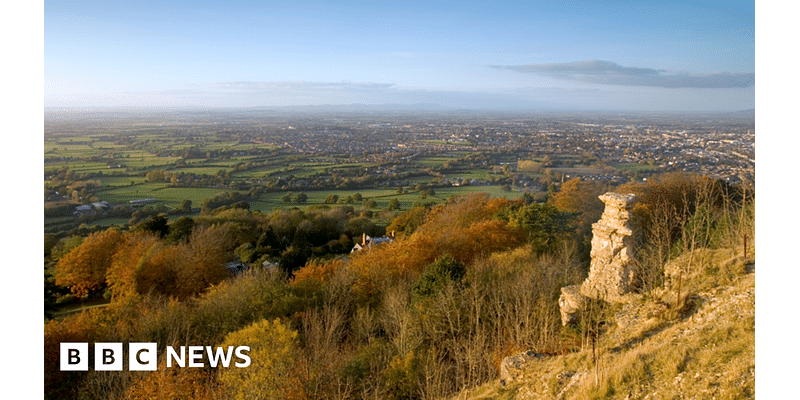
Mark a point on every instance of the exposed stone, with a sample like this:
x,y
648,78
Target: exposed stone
x,y
511,367
612,273
570,303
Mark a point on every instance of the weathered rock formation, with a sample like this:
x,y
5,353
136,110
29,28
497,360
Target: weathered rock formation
x,y
612,273
570,303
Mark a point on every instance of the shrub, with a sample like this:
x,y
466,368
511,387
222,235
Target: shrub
x,y
436,276
272,346
402,378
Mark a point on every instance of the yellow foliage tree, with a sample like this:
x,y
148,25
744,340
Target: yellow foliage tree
x,y
272,347
84,268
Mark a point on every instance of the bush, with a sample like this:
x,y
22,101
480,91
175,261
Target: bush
x,y
402,378
272,346
437,275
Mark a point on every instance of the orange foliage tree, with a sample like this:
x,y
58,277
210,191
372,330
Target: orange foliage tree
x,y
145,264
84,268
465,228
579,196
121,276
88,326
206,253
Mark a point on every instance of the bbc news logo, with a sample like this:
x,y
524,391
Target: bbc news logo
x,y
144,356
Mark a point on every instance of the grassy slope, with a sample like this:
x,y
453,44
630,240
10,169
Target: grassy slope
x,y
705,352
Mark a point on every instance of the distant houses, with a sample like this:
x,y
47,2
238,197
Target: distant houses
x,y
89,208
367,242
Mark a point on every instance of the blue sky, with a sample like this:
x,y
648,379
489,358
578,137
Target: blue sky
x,y
595,55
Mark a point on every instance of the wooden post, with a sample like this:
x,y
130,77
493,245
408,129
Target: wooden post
x,y
744,239
678,302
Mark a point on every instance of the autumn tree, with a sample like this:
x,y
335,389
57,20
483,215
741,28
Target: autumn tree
x,y
130,254
407,222
580,198
208,249
84,268
272,347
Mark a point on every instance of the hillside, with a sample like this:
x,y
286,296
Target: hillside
x,y
704,350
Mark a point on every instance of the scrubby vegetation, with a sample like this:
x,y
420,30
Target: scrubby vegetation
x,y
466,284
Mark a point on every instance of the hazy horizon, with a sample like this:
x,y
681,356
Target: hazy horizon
x,y
586,56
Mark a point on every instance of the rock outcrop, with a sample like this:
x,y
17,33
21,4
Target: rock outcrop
x,y
511,366
570,303
612,273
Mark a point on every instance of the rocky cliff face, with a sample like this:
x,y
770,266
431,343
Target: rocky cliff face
x,y
612,273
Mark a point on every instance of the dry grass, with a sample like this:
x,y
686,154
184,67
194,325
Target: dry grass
x,y
706,351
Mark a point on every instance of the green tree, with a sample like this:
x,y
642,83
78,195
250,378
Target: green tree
x,y
301,198
332,199
436,276
542,222
155,223
180,230
394,204
186,206
402,377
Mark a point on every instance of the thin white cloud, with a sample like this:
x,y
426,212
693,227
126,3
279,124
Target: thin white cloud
x,y
610,73
300,86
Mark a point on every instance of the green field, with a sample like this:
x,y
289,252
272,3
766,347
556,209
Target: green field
x,y
171,197
137,150
427,162
382,197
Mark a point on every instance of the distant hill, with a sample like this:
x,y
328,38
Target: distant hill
x,y
749,113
